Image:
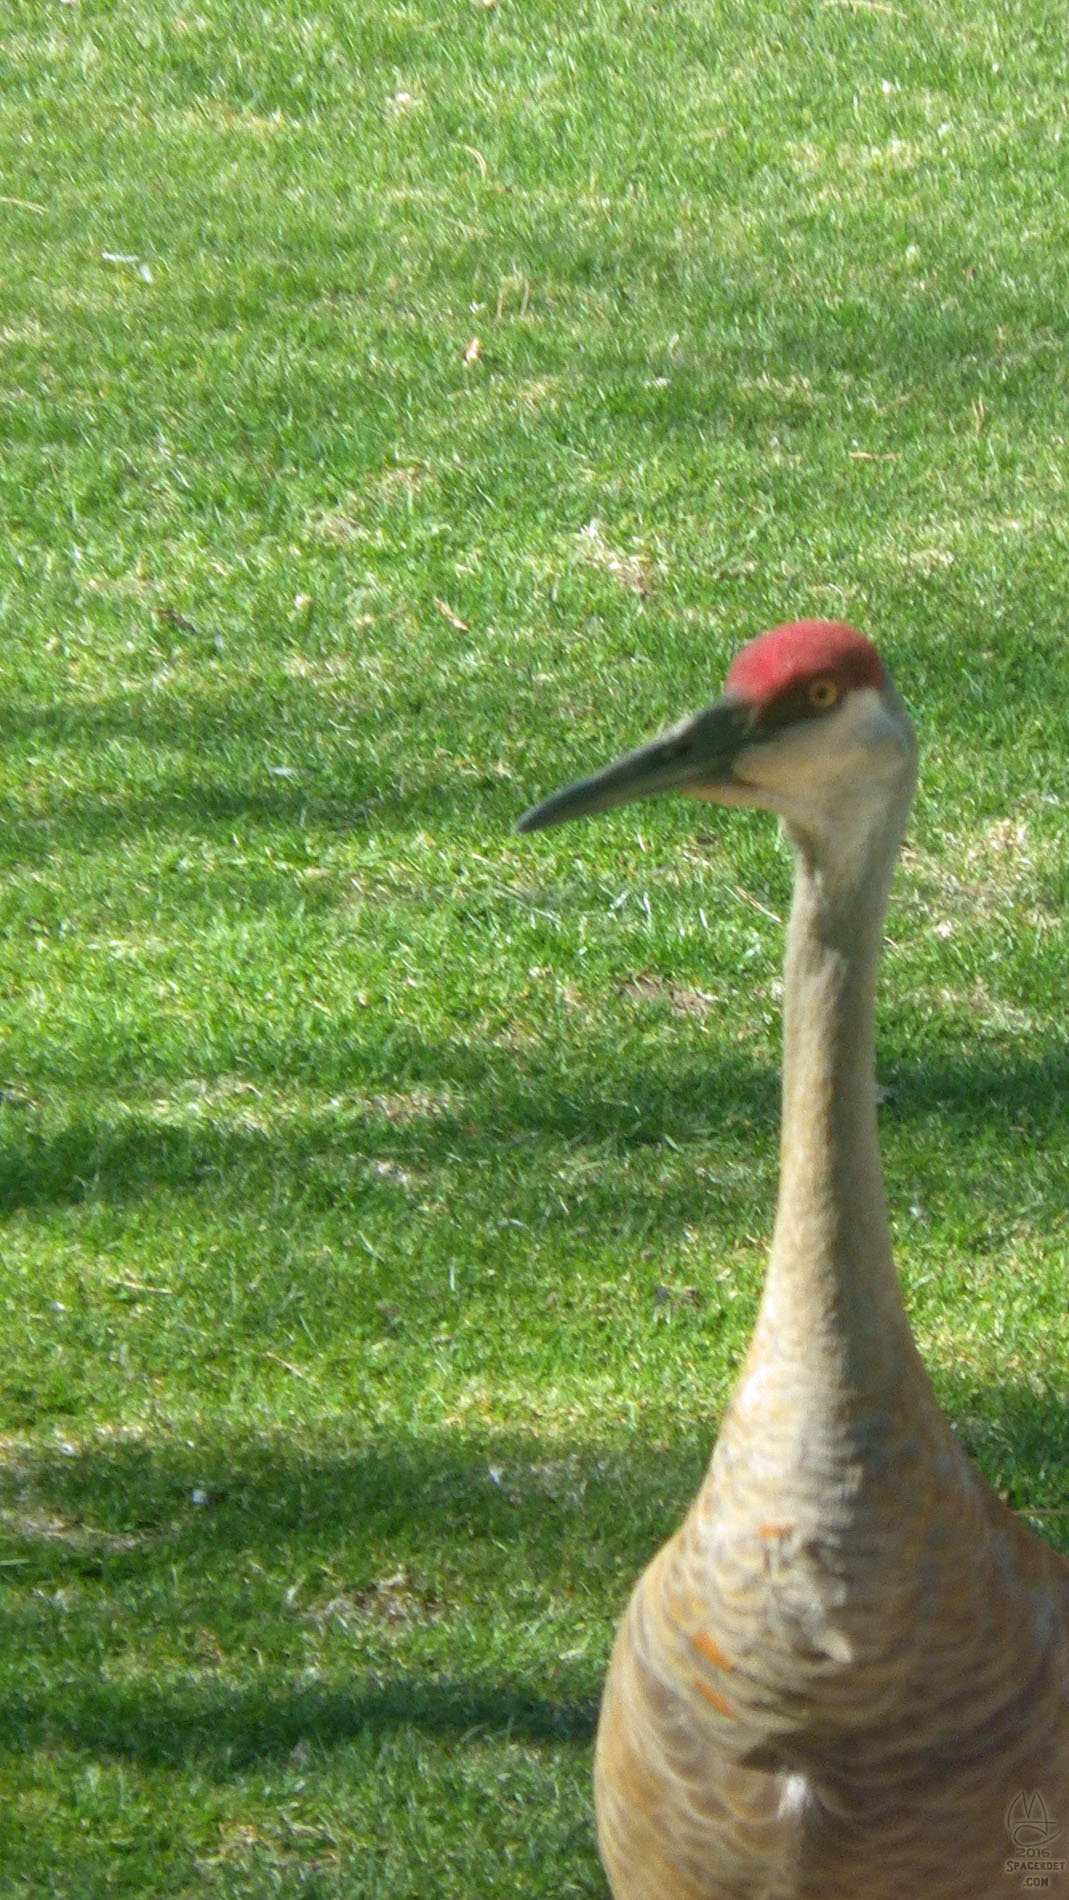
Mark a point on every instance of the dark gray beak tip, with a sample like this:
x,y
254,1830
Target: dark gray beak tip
x,y
575,801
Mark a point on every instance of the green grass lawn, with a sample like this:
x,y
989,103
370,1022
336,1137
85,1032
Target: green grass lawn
x,y
402,409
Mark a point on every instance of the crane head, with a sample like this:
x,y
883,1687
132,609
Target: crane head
x,y
809,726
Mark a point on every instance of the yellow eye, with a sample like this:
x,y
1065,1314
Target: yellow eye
x,y
823,693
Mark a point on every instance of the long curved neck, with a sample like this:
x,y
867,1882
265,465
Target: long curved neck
x,y
831,1299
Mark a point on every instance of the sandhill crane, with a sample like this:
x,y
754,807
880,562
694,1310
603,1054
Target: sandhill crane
x,y
846,1677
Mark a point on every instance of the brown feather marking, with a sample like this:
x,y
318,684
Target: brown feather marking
x,y
711,1650
714,1696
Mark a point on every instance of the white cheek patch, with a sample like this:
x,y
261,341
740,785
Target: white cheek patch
x,y
802,761
867,722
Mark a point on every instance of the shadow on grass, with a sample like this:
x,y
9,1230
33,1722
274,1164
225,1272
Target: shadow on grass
x,y
341,1557
389,1566
228,1730
229,767
584,1097
122,1151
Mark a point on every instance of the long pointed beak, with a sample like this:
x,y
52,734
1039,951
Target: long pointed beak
x,y
696,756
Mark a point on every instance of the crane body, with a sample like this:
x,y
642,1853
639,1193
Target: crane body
x,y
846,1676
